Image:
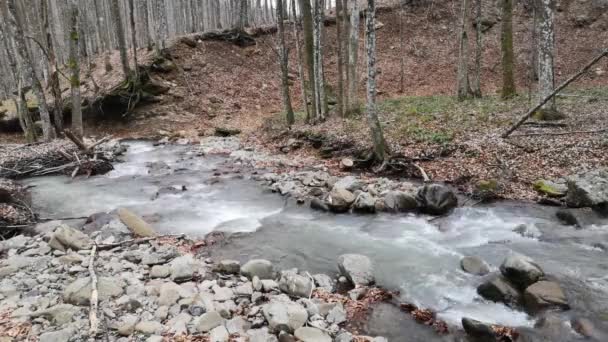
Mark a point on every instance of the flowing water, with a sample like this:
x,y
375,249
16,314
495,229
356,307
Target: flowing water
x,y
417,257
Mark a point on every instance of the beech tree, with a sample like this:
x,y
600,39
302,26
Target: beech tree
x,y
476,86
353,51
296,34
508,58
319,82
283,62
546,42
381,151
462,79
120,36
307,27
53,67
340,57
74,66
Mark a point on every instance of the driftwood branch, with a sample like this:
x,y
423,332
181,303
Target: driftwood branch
x,y
595,131
81,145
137,241
425,177
94,321
557,90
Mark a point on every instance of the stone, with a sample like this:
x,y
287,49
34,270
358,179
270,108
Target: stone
x,y
219,334
237,325
499,289
436,199
208,321
583,326
569,217
479,331
222,293
365,203
183,268
286,337
79,291
63,335
269,285
474,265
307,334
65,237
284,315
178,325
155,338
261,268
357,268
169,294
550,189
349,183
521,270
261,335
324,281
126,326
295,285
318,204
344,337
588,190
149,327
244,290
136,224
229,267
160,271
399,201
544,295
339,200
337,315
59,314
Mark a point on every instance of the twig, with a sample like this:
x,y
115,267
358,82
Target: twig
x,y
557,90
562,133
425,177
46,219
312,288
525,148
137,241
94,321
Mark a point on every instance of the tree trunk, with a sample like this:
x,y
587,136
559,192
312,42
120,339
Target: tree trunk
x,y
120,36
53,68
340,90
74,65
133,37
146,24
243,18
161,26
24,115
546,42
296,34
284,59
381,150
508,58
476,87
319,86
344,41
463,87
106,44
27,67
353,52
307,26
401,15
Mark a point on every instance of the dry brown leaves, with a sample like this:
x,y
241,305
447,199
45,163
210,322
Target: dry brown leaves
x,y
505,333
12,329
426,317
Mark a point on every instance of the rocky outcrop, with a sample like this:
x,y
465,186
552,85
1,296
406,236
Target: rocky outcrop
x,y
436,199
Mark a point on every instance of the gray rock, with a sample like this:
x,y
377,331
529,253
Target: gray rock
x,y
136,224
357,269
344,337
499,289
169,294
79,291
324,281
63,335
284,315
479,331
349,183
474,265
65,237
222,293
337,315
318,204
126,326
261,268
295,285
208,321
436,199
183,268
178,325
219,334
544,295
149,327
245,290
155,338
521,270
229,266
269,285
286,337
588,190
59,314
307,334
261,335
365,203
399,201
237,325
160,271
339,200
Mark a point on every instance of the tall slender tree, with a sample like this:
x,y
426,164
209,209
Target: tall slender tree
x,y
353,59
120,36
381,150
283,61
307,27
161,26
340,57
133,37
296,35
546,43
26,65
53,83
463,84
508,56
319,94
243,15
476,86
74,65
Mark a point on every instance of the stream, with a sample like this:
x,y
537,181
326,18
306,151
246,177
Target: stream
x,y
412,255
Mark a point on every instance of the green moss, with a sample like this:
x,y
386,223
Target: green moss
x,y
549,188
487,185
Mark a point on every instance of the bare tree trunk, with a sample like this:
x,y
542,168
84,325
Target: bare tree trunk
x,y
105,35
296,34
381,150
133,38
463,87
344,41
340,92
146,23
401,15
307,26
24,115
53,69
243,17
319,94
353,57
120,35
546,42
508,57
161,26
74,65
27,67
284,59
476,88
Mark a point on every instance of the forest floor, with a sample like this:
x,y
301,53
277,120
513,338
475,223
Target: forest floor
x,y
222,85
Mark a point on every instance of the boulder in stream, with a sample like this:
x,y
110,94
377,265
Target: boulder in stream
x,y
521,270
260,268
400,201
544,295
357,268
498,289
339,200
474,265
436,199
295,285
478,331
365,203
589,190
